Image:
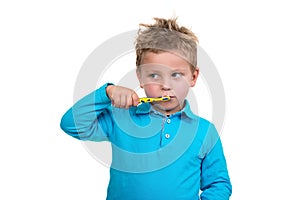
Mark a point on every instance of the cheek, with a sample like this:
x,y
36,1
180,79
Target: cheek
x,y
151,90
181,91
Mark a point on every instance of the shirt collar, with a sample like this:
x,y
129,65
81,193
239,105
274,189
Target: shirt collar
x,y
146,108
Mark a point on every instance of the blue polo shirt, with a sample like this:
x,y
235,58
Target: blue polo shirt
x,y
154,156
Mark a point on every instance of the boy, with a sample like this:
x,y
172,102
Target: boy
x,y
161,150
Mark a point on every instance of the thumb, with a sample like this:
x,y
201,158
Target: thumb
x,y
135,99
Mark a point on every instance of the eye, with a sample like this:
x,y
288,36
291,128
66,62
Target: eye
x,y
154,76
177,75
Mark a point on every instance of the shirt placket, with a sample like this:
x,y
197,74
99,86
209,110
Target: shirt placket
x,y
166,131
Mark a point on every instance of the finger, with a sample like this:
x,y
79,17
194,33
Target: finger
x,y
135,99
117,100
129,102
123,101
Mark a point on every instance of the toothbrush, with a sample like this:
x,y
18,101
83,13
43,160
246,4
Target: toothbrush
x,y
148,99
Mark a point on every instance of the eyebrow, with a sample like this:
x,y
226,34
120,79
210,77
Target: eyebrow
x,y
148,68
152,70
179,69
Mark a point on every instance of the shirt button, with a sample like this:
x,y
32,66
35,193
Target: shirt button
x,y
167,136
168,121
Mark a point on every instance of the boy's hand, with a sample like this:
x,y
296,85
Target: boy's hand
x,y
122,97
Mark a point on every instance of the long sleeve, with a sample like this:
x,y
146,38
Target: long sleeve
x,y
88,119
215,182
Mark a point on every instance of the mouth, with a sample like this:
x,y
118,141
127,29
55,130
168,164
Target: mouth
x,y
167,96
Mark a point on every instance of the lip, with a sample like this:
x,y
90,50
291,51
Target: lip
x,y
171,96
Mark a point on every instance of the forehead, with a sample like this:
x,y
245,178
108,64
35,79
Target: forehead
x,y
163,58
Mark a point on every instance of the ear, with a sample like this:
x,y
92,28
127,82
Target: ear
x,y
139,76
195,75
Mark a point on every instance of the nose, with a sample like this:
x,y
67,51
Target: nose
x,y
166,84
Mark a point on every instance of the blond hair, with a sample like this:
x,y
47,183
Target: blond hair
x,y
166,35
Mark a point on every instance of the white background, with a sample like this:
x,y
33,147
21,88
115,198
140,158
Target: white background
x,y
43,44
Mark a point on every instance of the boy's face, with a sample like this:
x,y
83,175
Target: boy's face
x,y
166,74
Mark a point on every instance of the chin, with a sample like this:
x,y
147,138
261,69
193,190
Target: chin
x,y
168,109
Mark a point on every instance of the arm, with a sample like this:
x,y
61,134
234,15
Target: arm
x,y
88,119
215,182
